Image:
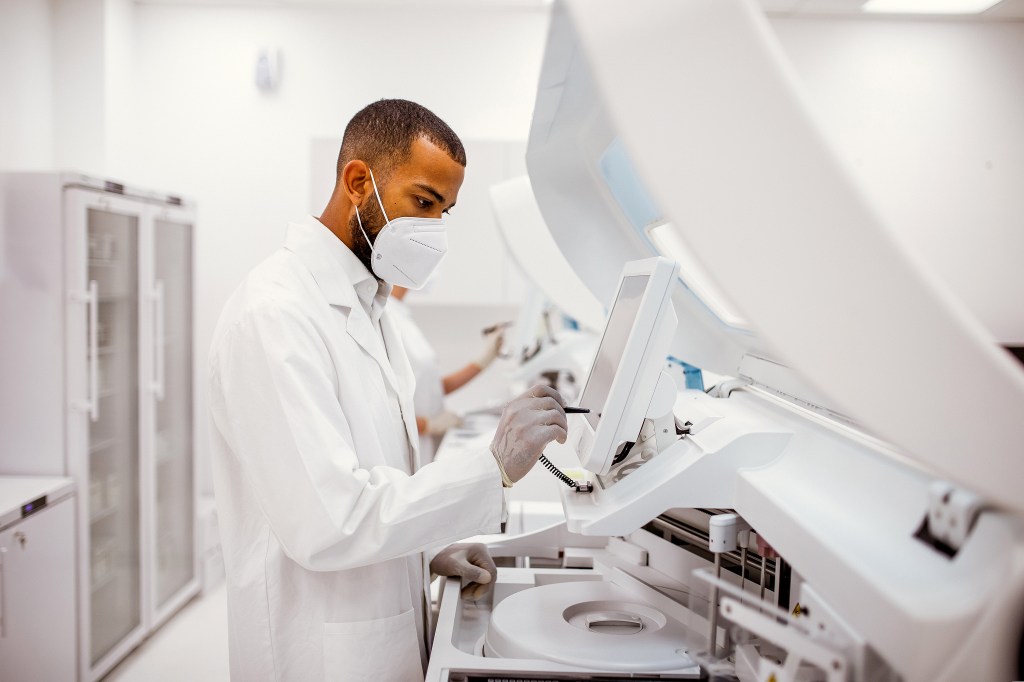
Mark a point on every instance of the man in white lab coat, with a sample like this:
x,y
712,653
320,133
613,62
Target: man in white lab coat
x,y
327,526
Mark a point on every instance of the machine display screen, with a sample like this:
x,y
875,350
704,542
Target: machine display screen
x,y
613,345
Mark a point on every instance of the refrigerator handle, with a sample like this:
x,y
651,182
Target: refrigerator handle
x,y
91,300
158,340
3,596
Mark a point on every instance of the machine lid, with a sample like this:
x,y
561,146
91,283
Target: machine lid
x,y
782,231
600,213
534,250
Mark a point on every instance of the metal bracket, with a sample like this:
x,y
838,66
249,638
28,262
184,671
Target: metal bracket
x,y
799,648
782,630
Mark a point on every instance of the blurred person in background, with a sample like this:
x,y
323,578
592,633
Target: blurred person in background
x,y
432,419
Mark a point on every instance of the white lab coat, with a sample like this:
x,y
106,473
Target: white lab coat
x,y
323,521
428,400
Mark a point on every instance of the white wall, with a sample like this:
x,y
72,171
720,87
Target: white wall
x,y
930,115
66,72
79,76
119,76
26,85
203,129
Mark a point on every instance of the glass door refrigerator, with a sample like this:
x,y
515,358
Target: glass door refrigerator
x,y
130,445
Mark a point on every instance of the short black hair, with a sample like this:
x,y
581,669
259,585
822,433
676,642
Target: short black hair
x,y
382,135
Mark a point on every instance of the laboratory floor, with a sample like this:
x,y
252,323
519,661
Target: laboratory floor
x,y
192,645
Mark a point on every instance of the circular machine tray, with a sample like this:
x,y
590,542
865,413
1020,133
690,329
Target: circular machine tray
x,y
589,624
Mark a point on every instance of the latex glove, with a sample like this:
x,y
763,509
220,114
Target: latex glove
x,y
492,346
527,425
471,562
440,423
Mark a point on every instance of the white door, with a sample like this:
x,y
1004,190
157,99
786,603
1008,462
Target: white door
x,y
171,514
105,361
37,597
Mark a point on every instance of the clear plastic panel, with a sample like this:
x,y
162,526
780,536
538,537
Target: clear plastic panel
x,y
173,455
113,256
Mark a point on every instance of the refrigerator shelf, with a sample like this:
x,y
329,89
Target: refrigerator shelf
x,y
104,581
102,514
102,570
102,445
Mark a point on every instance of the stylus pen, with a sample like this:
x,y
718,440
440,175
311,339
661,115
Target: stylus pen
x,y
496,327
577,410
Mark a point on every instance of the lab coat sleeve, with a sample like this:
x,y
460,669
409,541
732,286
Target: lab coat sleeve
x,y
274,401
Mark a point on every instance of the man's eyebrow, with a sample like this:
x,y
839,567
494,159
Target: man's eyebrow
x,y
431,190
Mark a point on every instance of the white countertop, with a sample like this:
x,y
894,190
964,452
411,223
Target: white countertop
x,y
16,491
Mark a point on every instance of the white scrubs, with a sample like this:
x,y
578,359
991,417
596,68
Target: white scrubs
x,y
429,398
324,519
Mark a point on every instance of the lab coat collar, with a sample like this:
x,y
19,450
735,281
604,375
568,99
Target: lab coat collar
x,y
338,272
346,283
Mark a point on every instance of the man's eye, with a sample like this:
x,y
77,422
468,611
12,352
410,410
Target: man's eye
x,y
424,203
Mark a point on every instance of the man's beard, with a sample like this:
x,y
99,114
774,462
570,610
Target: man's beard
x,y
373,223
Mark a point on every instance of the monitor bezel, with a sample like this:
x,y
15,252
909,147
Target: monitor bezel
x,y
637,374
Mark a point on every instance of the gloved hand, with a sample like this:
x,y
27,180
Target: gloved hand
x,y
527,425
472,563
440,423
492,346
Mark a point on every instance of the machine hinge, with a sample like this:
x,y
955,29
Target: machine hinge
x,y
952,513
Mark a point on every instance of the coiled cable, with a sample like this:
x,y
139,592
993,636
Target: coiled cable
x,y
584,487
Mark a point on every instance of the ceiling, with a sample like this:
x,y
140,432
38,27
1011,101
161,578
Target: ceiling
x,y
1007,10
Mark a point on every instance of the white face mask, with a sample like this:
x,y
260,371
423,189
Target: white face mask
x,y
407,250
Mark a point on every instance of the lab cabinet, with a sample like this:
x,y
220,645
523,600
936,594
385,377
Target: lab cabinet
x,y
37,596
109,269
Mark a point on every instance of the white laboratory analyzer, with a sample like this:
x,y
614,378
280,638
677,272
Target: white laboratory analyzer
x,y
830,506
555,335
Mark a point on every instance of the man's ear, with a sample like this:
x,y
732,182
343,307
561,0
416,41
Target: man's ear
x,y
355,181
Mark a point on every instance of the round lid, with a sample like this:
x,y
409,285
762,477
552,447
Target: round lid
x,y
589,624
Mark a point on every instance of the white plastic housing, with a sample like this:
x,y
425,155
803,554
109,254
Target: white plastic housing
x,y
619,406
732,156
533,249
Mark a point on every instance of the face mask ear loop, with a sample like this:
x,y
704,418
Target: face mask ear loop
x,y
360,221
386,219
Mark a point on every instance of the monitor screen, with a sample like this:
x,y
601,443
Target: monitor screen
x,y
613,345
